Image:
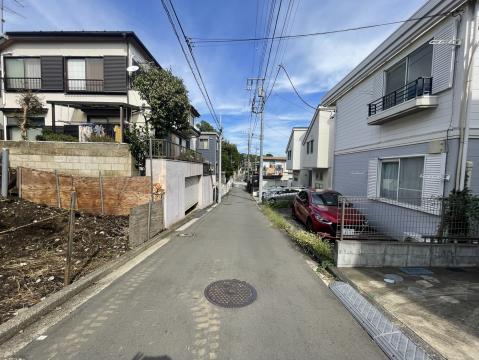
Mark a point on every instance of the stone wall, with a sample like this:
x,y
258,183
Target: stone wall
x,y
350,253
138,228
86,159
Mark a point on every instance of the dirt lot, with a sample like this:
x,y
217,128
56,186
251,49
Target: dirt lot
x,y
32,258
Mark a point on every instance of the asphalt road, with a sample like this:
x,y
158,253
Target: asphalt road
x,y
157,310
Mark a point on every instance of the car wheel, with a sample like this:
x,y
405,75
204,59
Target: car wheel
x,y
272,201
309,225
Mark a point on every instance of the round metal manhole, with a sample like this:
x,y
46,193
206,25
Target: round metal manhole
x,y
230,293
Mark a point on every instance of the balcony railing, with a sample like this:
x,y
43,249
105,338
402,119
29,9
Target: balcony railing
x,y
85,85
22,83
419,87
169,150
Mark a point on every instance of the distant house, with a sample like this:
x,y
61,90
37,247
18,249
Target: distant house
x,y
406,122
316,154
293,153
208,146
274,168
81,78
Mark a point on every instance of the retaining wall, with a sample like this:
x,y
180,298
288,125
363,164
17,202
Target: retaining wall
x,y
138,227
86,159
350,253
118,194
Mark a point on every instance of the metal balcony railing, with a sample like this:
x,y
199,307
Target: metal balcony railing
x,y
22,83
419,87
85,85
168,150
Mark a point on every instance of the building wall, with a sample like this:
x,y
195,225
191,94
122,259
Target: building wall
x,y
86,159
211,154
171,174
320,134
473,155
295,147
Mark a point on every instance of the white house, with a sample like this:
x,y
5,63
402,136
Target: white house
x,y
293,153
407,119
316,152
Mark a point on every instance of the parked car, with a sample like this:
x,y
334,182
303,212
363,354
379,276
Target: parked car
x,y
319,212
272,196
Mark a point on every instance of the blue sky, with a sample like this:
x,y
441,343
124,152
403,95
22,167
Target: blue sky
x,y
314,63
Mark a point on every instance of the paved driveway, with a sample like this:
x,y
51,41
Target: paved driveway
x,y
157,310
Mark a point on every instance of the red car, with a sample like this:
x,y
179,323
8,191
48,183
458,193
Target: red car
x,y
319,211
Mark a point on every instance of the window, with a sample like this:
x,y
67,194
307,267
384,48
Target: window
x,y
23,73
289,154
401,179
204,144
85,74
35,126
415,65
312,144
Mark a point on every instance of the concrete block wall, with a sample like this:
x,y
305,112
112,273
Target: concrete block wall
x,y
85,159
350,253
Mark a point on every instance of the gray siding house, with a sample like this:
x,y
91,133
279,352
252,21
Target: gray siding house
x,y
208,146
407,119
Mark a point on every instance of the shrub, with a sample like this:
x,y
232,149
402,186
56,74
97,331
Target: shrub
x,y
318,248
49,135
100,138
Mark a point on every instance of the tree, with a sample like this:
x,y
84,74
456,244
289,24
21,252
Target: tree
x,y
205,126
269,154
31,105
167,98
138,140
230,158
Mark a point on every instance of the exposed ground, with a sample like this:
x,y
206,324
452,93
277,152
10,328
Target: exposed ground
x,y
32,258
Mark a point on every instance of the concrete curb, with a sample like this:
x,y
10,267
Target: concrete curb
x,y
26,318
433,353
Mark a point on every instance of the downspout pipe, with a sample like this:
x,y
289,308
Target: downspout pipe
x,y
463,117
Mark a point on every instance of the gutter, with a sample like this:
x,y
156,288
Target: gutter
x,y
463,116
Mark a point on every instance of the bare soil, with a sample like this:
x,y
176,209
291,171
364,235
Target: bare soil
x,y
32,258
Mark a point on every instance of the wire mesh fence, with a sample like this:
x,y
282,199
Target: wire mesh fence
x,y
431,220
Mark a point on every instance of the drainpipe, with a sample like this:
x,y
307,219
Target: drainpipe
x,y
3,94
463,117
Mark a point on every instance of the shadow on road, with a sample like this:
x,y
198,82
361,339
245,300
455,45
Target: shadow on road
x,y
141,356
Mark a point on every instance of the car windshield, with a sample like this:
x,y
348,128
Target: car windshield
x,y
328,199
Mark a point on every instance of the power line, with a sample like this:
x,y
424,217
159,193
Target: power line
x,y
233,40
274,32
294,88
198,78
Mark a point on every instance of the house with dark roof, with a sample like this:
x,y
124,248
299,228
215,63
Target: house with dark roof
x,y
81,78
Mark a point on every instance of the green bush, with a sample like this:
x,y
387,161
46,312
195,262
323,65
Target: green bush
x,y
49,135
100,138
318,248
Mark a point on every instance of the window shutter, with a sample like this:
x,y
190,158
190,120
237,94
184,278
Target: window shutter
x,y
378,85
115,74
52,72
373,178
443,58
433,181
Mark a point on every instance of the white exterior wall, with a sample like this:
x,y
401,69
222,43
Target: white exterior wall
x,y
294,146
82,49
171,175
320,134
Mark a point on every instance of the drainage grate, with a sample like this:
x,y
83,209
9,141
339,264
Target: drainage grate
x,y
230,293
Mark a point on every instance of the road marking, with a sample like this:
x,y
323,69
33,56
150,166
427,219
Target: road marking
x,y
208,210
187,225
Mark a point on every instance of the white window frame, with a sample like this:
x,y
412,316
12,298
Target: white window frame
x,y
207,144
378,180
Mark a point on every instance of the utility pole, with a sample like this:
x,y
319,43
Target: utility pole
x,y
219,160
257,107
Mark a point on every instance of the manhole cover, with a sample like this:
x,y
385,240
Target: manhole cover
x,y
230,293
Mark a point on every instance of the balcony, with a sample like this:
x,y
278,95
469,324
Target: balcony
x,y
412,97
164,149
85,85
22,83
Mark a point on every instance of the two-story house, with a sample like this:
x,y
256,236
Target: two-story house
x,y
406,122
315,150
293,153
208,146
81,78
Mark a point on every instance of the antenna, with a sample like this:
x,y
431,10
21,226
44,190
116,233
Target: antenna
x,y
4,9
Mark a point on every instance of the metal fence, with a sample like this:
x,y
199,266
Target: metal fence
x,y
166,149
434,220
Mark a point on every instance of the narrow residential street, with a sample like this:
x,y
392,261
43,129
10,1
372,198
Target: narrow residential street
x,y
158,310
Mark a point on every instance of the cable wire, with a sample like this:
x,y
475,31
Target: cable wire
x,y
296,91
